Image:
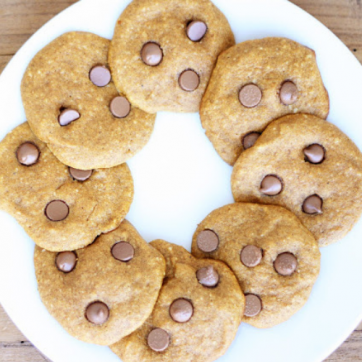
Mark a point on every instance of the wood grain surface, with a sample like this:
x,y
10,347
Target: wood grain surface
x,y
19,19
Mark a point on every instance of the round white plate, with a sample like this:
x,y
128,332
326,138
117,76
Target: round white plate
x,y
179,179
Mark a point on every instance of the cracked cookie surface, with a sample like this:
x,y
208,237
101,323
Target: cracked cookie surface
x,y
161,70
319,171
71,104
254,83
191,321
98,295
56,210
275,258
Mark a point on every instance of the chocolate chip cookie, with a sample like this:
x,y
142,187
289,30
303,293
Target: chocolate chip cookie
x,y
105,291
72,104
275,258
196,316
308,166
254,83
165,62
60,208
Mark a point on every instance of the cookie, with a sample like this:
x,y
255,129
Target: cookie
x,y
105,291
196,316
60,208
165,62
254,83
72,105
274,257
308,166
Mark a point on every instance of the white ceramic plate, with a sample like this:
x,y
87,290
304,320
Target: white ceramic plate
x,y
179,179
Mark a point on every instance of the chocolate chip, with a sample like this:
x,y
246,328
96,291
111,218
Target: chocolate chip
x,y
80,175
189,80
207,241
120,107
151,54
288,93
97,313
251,256
253,305
158,340
285,264
68,116
271,185
314,153
250,95
123,251
66,261
208,276
100,75
250,139
28,154
196,30
181,310
57,210
313,205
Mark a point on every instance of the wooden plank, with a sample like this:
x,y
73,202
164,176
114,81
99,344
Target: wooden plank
x,y
350,351
19,19
8,332
343,17
4,59
14,347
23,352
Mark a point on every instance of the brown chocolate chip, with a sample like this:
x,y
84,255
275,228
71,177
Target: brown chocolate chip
x,y
251,256
196,30
313,205
158,340
97,313
120,107
314,153
57,210
100,75
250,139
123,251
28,154
66,261
80,175
253,305
189,80
208,276
68,116
207,241
181,310
271,185
250,95
288,93
151,54
285,264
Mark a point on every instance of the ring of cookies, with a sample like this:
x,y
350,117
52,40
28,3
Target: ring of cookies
x,y
91,106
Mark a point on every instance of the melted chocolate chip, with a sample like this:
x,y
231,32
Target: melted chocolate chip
x,y
207,241
28,154
57,210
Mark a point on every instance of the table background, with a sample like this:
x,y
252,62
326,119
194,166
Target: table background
x,y
19,19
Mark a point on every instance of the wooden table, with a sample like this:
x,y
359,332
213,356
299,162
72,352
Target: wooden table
x,y
19,19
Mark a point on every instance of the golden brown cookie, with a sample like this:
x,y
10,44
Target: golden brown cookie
x,y
275,258
165,62
105,291
72,104
196,316
60,208
308,166
254,83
